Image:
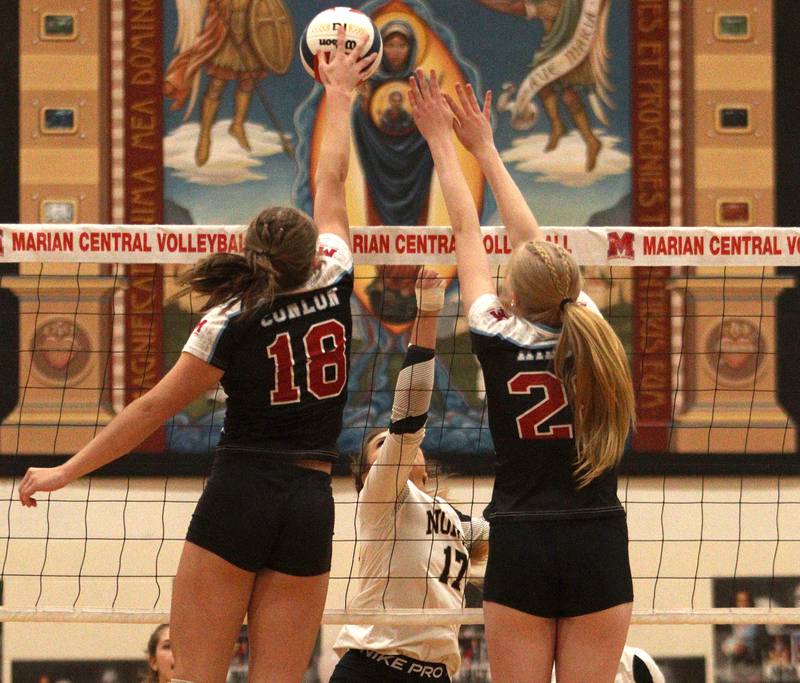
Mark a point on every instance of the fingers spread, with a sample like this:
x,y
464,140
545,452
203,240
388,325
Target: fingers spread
x,y
473,101
423,85
412,98
487,105
434,85
462,98
415,89
458,112
341,39
361,47
366,63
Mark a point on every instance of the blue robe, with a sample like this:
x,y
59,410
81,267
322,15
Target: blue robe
x,y
397,168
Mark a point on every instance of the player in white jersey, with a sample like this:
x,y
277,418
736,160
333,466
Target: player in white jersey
x,y
560,402
416,547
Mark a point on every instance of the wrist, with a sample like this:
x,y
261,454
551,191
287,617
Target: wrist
x,y
442,149
337,95
440,140
65,475
430,300
487,156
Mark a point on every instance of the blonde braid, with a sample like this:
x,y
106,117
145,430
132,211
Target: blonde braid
x,y
545,258
565,262
558,279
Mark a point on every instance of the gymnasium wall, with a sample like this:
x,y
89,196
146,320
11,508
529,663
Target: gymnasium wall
x,y
687,138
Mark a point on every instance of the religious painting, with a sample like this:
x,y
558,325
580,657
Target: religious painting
x,y
243,129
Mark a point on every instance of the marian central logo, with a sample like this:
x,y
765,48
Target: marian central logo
x,y
621,246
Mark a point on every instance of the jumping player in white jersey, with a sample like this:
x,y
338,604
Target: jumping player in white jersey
x,y
417,547
558,586
276,334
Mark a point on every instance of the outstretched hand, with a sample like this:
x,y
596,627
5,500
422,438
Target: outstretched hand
x,y
342,72
40,479
472,125
431,112
429,290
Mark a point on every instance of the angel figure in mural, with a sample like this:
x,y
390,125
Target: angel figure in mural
x,y
231,40
570,63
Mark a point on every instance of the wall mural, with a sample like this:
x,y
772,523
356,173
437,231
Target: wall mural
x,y
242,130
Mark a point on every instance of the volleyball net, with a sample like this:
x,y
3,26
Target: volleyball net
x,y
710,318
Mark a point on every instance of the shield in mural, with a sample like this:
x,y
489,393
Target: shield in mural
x,y
61,350
271,33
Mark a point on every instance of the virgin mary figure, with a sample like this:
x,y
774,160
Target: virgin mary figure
x,y
395,158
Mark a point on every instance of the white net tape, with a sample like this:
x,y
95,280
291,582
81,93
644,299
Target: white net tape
x,y
591,246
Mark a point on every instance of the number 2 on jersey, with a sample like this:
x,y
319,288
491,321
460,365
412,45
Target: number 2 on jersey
x,y
531,424
325,368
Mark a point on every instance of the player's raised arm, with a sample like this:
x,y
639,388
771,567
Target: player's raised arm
x,y
474,130
188,378
340,74
390,472
434,120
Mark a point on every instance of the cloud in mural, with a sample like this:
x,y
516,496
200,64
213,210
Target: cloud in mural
x,y
566,165
229,163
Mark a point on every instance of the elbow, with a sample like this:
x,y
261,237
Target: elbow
x,y
335,175
151,410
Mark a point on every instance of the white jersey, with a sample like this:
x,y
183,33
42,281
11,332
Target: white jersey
x,y
412,550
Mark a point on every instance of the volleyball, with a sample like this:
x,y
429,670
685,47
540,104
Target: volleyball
x,y
320,36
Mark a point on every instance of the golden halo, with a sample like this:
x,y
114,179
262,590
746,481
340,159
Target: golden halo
x,y
380,99
419,28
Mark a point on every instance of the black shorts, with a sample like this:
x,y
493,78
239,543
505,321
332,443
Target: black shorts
x,y
258,514
558,569
368,666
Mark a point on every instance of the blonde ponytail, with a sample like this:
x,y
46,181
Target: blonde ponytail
x,y
591,363
589,358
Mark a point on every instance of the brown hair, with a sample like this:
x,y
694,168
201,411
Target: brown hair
x,y
279,250
589,358
360,464
152,646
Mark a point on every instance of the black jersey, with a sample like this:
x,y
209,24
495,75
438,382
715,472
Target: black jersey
x,y
531,422
286,366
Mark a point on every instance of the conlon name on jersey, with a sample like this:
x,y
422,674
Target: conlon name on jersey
x,y
440,523
319,302
535,355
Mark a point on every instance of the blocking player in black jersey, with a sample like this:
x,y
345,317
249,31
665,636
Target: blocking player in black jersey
x,y
560,401
276,334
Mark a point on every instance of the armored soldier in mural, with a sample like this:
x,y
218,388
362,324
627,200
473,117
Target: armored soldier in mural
x,y
231,40
571,63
